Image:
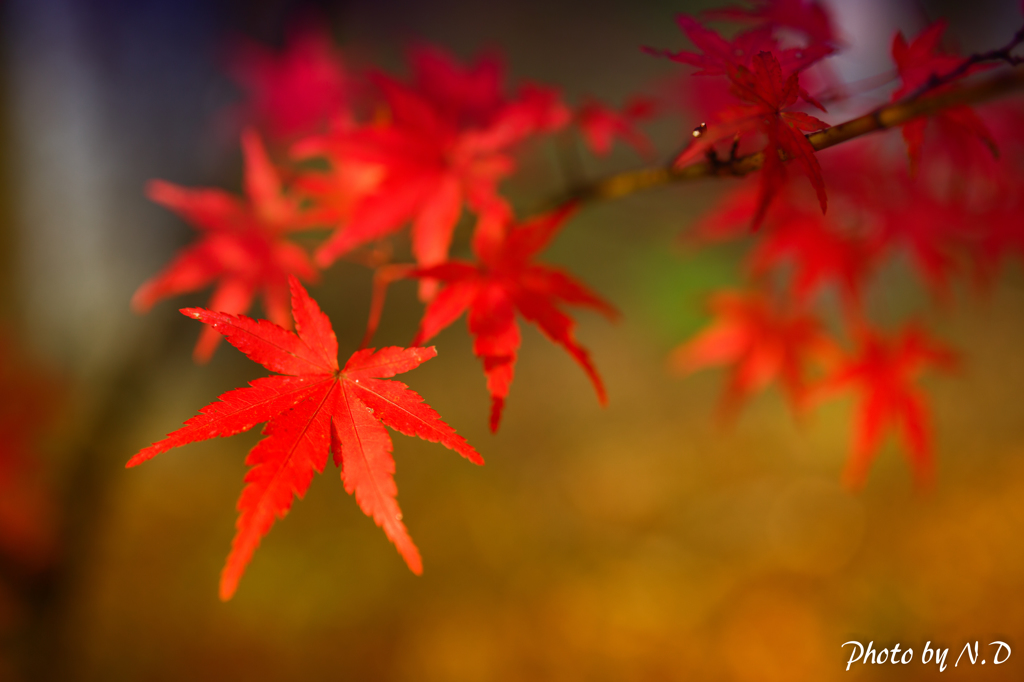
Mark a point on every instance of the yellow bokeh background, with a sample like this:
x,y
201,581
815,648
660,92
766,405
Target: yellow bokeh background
x,y
643,541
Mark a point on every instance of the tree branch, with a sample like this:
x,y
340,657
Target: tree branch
x,y
1002,54
883,118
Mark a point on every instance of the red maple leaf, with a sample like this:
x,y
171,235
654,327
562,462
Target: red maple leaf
x,y
932,217
766,96
883,371
467,95
934,230
918,63
997,228
819,251
601,124
334,194
763,340
502,282
447,143
717,55
810,18
313,407
295,91
820,254
243,245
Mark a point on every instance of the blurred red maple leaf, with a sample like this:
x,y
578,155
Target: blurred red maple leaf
x,y
718,55
243,245
601,124
883,371
934,230
334,193
295,91
313,408
446,143
465,95
918,62
819,251
807,17
997,229
763,340
503,281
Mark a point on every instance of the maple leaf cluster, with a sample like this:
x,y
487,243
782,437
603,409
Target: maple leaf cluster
x,y
950,204
435,148
368,160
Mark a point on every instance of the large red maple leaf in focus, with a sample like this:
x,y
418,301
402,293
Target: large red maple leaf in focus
x,y
762,340
766,96
883,371
313,407
502,282
918,62
243,245
446,144
293,92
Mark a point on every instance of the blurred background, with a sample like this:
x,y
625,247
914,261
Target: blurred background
x,y
638,542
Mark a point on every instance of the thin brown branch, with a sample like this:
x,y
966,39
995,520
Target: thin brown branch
x,y
1003,54
883,118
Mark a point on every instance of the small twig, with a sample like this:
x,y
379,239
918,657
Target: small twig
x,y
383,276
373,256
1001,54
856,88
